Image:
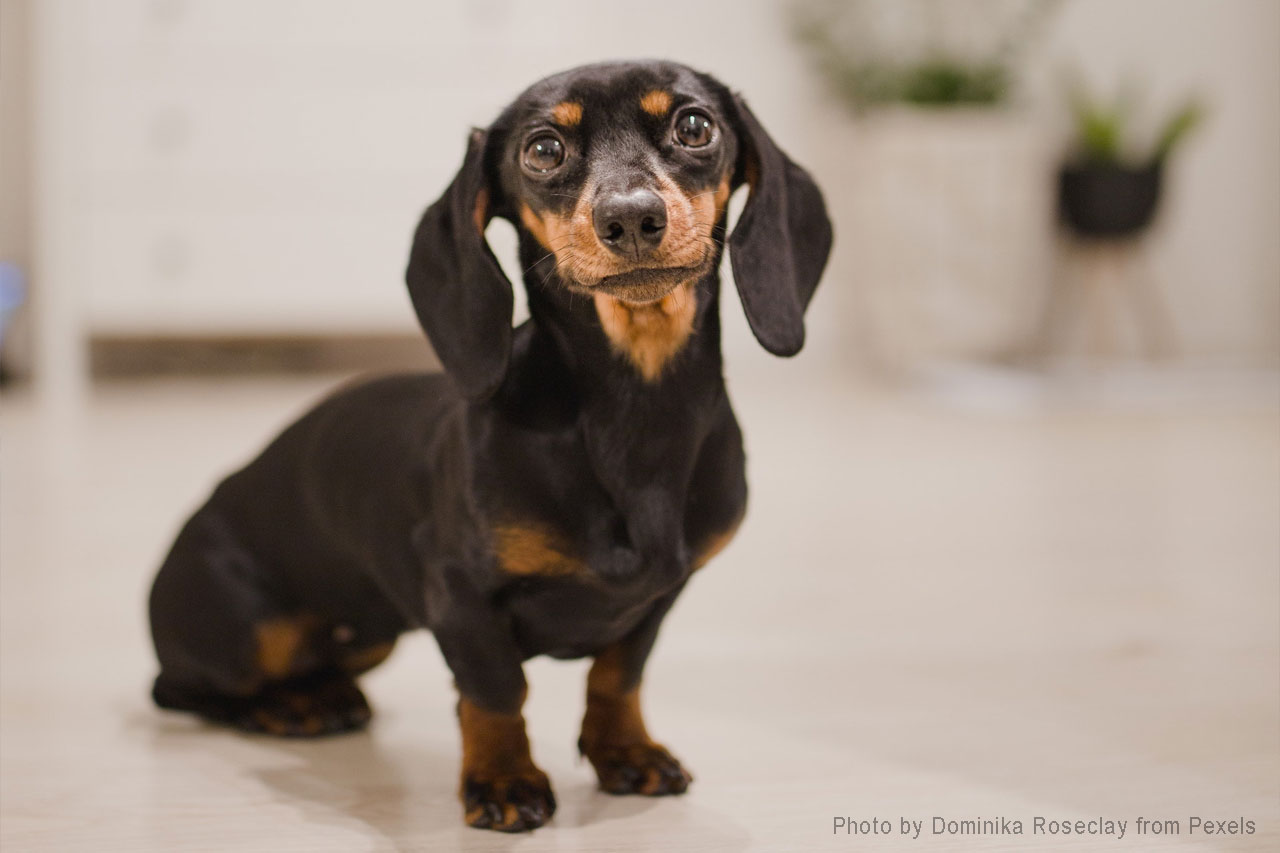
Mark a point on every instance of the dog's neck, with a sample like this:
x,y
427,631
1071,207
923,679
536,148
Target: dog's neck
x,y
649,336
642,384
613,346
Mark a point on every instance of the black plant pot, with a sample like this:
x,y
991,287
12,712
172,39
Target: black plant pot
x,y
1108,201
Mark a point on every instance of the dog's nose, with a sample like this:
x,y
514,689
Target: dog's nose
x,y
631,222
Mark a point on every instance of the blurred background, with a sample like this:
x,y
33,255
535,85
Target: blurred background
x,y
222,186
1024,480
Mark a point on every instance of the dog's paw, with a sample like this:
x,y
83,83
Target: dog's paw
x,y
512,803
641,768
310,708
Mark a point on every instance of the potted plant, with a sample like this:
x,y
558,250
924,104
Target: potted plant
x,y
927,53
944,216
1106,189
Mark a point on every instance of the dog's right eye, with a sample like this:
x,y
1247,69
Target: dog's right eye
x,y
543,153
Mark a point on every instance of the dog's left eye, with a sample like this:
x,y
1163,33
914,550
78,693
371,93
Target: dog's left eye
x,y
543,153
694,129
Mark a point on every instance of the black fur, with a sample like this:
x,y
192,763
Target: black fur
x,y
374,514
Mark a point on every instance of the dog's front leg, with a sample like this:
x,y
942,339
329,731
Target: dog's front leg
x,y
614,737
501,787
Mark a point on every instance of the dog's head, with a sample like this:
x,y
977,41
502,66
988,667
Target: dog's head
x,y
622,173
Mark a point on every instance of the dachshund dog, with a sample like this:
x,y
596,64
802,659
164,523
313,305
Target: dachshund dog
x,y
551,491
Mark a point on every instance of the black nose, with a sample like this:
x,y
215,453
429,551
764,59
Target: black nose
x,y
631,222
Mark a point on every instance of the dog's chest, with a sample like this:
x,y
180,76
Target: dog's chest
x,y
577,533
588,525
601,506
572,579
570,618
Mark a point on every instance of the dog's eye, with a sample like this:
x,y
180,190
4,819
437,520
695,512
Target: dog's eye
x,y
694,129
543,153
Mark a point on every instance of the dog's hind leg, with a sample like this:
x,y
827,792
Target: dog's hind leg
x,y
233,650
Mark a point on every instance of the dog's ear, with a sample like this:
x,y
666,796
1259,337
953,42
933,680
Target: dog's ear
x,y
780,244
459,291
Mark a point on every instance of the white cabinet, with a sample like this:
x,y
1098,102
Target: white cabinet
x,y
257,166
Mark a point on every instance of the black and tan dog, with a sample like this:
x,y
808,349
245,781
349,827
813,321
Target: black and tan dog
x,y
553,490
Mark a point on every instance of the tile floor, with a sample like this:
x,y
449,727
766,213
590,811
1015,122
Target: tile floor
x,y
1063,609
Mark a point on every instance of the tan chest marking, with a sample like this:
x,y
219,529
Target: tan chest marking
x,y
525,549
649,335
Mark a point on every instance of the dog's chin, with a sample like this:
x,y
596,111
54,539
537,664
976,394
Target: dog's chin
x,y
646,285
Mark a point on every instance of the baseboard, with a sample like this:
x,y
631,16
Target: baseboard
x,y
212,356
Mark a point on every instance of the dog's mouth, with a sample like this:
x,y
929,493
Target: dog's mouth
x,y
647,284
587,263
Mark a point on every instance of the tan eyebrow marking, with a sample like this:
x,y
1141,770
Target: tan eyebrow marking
x,y
656,102
567,113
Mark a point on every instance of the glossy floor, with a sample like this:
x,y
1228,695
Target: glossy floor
x,y
939,607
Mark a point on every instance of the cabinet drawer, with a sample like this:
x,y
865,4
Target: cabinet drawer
x,y
259,272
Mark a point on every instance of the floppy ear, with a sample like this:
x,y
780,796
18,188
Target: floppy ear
x,y
462,298
781,241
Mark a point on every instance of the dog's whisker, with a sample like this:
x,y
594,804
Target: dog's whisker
x,y
529,268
